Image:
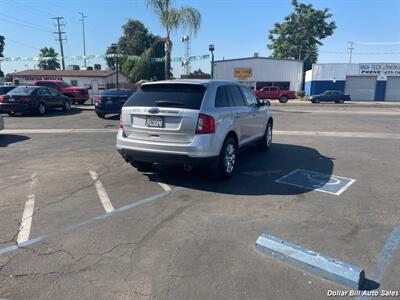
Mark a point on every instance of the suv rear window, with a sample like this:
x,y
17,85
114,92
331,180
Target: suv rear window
x,y
178,95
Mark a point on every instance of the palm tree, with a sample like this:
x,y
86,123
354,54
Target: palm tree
x,y
48,59
172,19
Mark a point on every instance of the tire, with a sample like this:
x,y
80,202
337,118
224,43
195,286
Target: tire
x,y
316,100
11,113
227,159
283,99
341,101
100,115
266,141
67,105
142,166
41,109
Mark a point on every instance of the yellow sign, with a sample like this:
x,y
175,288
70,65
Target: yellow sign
x,y
243,73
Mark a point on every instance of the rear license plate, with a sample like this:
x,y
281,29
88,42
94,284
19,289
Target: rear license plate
x,y
155,121
11,100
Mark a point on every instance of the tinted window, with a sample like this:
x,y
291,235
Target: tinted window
x,y
53,92
43,92
22,91
119,92
250,98
178,95
236,95
48,84
222,98
5,89
64,84
274,89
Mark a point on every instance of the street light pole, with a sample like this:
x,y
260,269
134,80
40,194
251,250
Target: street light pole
x,y
211,48
83,36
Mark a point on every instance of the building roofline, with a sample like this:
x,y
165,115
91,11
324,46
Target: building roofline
x,y
66,73
259,57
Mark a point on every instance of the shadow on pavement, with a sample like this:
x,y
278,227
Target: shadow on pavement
x,y
7,139
369,285
50,113
256,173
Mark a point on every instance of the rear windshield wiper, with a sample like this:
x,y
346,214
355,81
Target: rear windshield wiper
x,y
168,103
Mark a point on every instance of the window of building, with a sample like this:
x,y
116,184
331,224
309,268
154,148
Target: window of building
x,y
74,82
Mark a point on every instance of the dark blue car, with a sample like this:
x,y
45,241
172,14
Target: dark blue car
x,y
330,96
111,101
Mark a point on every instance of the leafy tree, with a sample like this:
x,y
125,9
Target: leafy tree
x,y
300,34
136,40
48,59
198,72
172,19
2,43
143,68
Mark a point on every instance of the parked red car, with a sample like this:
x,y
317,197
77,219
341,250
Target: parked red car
x,y
274,92
77,95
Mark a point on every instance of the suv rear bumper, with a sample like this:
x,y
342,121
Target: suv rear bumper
x,y
197,152
166,158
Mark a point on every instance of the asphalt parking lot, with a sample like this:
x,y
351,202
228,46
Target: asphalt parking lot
x,y
177,235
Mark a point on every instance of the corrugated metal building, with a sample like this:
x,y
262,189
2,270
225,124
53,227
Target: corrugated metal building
x,y
258,72
363,82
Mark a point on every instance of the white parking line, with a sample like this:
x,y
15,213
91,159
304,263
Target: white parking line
x,y
26,222
164,186
105,200
343,134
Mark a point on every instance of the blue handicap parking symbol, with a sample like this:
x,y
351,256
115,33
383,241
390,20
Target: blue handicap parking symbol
x,y
317,181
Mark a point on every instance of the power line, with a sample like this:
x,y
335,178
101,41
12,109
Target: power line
x,y
378,43
60,38
25,22
83,36
24,25
21,43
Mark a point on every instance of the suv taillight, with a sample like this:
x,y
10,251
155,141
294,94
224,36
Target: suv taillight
x,y
205,124
98,99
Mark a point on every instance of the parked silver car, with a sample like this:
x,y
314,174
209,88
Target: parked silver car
x,y
192,122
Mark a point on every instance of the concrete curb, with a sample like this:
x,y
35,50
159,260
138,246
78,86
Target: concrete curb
x,y
312,262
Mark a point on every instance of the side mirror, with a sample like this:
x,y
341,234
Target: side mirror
x,y
267,103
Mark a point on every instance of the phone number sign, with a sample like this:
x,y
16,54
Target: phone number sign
x,y
380,70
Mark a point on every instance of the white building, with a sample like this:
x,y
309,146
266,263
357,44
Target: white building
x,y
258,72
94,80
364,81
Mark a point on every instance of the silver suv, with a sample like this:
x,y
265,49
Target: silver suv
x,y
192,122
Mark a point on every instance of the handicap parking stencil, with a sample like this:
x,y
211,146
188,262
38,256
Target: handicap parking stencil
x,y
311,180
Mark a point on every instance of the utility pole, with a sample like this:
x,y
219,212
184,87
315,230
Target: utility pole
x,y
60,38
83,33
351,48
114,46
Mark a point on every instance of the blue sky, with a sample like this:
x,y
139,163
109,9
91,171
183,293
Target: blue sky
x,y
238,28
